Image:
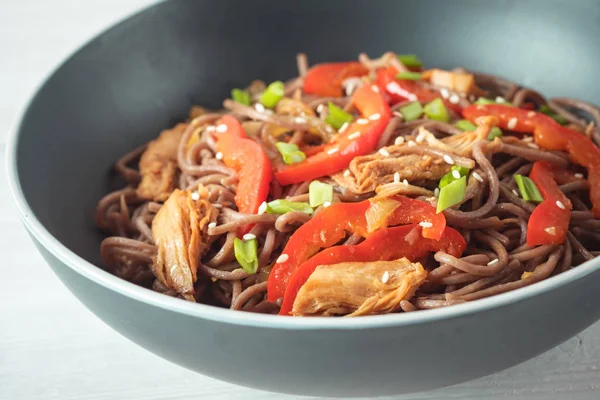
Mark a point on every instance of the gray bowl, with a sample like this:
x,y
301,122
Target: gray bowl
x,y
140,76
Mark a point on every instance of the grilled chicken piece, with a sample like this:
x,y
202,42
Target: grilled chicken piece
x,y
179,231
461,82
357,288
158,165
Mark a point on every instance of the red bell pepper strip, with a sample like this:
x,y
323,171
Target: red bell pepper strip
x,y
249,161
549,135
326,79
337,155
330,225
549,221
382,245
400,90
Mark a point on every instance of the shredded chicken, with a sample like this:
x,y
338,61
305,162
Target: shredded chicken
x,y
461,82
158,165
358,288
179,230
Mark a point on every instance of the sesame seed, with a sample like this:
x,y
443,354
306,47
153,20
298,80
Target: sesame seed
x,y
320,108
456,174
354,135
219,156
396,177
550,230
385,277
512,123
444,92
579,175
393,87
259,107
399,140
375,88
262,208
454,99
426,224
212,225
500,99
514,191
195,196
375,117
326,204
531,114
477,176
405,182
448,159
436,192
347,172
249,236
333,150
411,143
560,204
221,128
210,128
533,145
494,261
282,258
344,127
299,120
362,121
384,152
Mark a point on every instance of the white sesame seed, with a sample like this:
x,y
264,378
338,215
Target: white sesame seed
x,y
249,236
551,230
405,182
375,117
436,192
560,204
385,277
195,196
353,135
262,208
500,99
411,143
454,99
579,175
399,140
477,176
494,261
384,152
282,258
221,128
444,92
210,128
362,121
344,127
426,224
347,173
212,225
326,204
531,114
393,87
375,88
219,156
448,159
456,174
299,120
514,191
333,150
396,177
259,107
320,108
533,145
512,123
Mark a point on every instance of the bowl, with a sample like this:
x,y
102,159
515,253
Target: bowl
x,y
141,75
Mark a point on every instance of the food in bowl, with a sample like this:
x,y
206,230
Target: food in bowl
x,y
364,187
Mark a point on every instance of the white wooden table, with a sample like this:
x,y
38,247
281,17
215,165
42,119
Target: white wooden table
x,y
51,347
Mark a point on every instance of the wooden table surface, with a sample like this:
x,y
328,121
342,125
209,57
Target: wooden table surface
x,y
51,347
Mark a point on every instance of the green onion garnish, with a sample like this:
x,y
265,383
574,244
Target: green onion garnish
x,y
337,117
494,133
290,152
411,111
272,94
410,60
280,206
451,194
241,96
468,126
544,109
411,76
437,110
528,189
246,255
455,173
319,193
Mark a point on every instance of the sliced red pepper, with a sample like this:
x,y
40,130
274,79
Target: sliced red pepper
x,y
549,135
330,225
250,162
549,221
326,79
382,245
400,90
337,155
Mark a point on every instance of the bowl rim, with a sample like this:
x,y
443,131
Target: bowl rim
x,y
99,276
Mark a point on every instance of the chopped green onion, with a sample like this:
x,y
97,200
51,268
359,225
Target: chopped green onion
x,y
412,111
290,152
410,60
241,96
544,109
411,76
494,133
484,101
528,189
468,126
337,117
245,254
272,94
437,110
280,206
319,193
451,194
450,176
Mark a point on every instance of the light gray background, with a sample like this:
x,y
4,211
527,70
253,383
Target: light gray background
x,y
51,347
